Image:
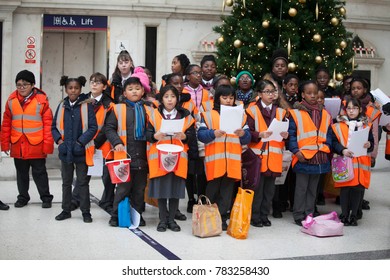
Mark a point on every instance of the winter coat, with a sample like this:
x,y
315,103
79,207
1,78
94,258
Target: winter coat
x,y
22,148
72,150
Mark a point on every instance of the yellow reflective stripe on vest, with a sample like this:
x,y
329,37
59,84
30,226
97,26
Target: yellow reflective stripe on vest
x,y
222,156
120,114
361,166
100,126
340,134
60,117
84,118
254,110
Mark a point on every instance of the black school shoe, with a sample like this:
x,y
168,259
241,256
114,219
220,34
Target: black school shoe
x,y
365,205
113,221
63,215
20,203
87,218
46,204
142,222
266,222
180,216
174,226
3,206
257,223
162,226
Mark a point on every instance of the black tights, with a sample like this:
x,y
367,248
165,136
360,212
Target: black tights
x,y
350,198
162,207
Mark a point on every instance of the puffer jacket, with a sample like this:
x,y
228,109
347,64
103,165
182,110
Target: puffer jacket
x,y
22,149
72,150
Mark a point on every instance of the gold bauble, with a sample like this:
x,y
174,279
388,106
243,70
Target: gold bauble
x,y
334,21
265,24
292,67
260,45
237,43
343,11
338,52
343,44
331,84
318,59
229,3
220,40
302,1
339,77
233,81
317,38
292,12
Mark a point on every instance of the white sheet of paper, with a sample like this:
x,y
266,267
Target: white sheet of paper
x,y
333,106
287,157
135,218
97,168
384,119
380,96
356,142
231,118
171,126
276,127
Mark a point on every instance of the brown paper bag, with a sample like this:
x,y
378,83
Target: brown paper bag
x,y
206,219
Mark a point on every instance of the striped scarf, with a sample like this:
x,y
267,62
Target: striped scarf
x,y
139,125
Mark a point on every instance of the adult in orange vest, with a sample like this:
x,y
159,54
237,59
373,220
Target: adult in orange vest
x,y
74,127
222,152
351,193
166,182
125,128
310,138
260,116
26,133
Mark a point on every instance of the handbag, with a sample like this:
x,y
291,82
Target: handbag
x,y
342,169
240,216
250,168
124,217
323,226
206,219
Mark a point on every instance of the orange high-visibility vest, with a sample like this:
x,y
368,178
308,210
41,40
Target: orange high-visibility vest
x,y
310,139
272,156
90,146
155,119
100,118
372,113
223,155
361,165
27,122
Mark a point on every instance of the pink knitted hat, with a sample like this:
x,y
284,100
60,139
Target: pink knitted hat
x,y
140,74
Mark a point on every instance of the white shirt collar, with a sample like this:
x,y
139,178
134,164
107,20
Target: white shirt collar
x,y
98,98
265,106
173,113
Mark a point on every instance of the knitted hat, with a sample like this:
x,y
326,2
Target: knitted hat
x,y
26,76
140,74
245,72
279,54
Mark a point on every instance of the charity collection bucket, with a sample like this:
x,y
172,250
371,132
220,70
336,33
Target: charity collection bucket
x,y
119,170
169,156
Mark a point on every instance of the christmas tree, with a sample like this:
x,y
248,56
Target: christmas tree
x,y
311,31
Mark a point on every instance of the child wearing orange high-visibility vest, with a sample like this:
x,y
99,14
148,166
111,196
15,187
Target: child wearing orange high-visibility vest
x,y
74,127
310,139
351,192
222,152
165,185
260,115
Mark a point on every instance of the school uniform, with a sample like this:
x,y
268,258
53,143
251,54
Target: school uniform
x,y
164,185
313,140
351,192
126,125
223,168
260,117
75,123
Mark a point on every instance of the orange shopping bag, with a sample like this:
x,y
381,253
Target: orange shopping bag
x,y
240,216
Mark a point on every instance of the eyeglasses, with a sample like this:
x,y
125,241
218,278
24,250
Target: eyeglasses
x,y
196,73
98,83
269,92
245,79
352,108
24,85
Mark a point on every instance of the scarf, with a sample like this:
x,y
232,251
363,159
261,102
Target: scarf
x,y
139,125
244,97
315,112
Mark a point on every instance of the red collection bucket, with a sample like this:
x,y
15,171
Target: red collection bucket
x,y
168,156
119,169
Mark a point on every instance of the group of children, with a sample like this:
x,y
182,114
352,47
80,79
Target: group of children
x,y
123,118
